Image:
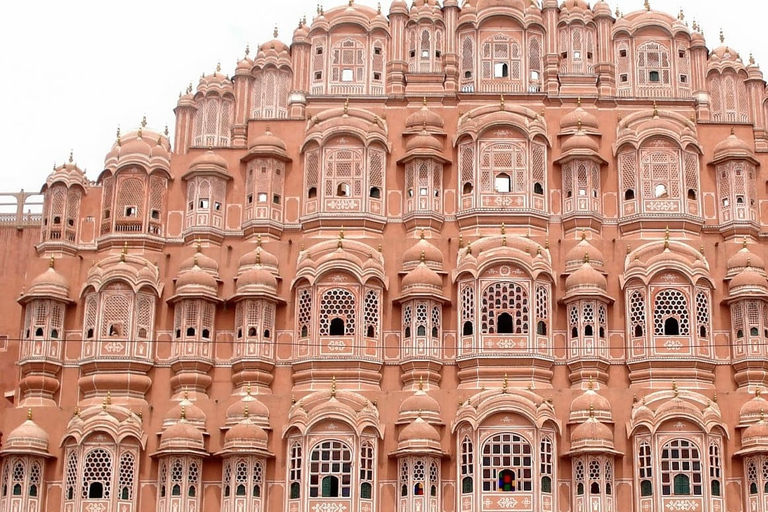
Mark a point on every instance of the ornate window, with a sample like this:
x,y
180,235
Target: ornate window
x,y
294,473
264,190
270,93
423,186
330,470
467,466
97,475
254,324
206,197
22,479
645,468
728,97
304,313
545,465
243,480
337,313
348,67
181,481
507,464
581,187
737,193
467,310
467,63
670,314
43,329
681,471
133,202
654,68
505,309
193,328
366,470
577,49
749,324
425,49
213,121
371,314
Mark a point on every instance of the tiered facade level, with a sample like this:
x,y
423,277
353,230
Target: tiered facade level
x,y
493,257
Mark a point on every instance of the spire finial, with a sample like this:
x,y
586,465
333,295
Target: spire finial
x,y
341,238
501,103
424,101
104,403
258,240
333,387
218,67
421,383
274,32
592,411
421,237
722,36
744,243
245,412
71,156
186,393
504,385
762,414
647,5
144,121
591,384
758,391
248,389
124,251
586,257
681,15
346,106
751,59
461,242
378,8
578,101
629,249
423,257
52,262
247,49
469,248
655,109
666,238
109,398
674,388
29,413
183,412
583,234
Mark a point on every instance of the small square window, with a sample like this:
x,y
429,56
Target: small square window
x,y
130,211
413,53
438,54
423,191
576,54
653,76
377,51
319,50
534,75
250,198
262,197
217,206
155,214
347,75
500,70
203,203
191,205
263,170
624,78
622,53
424,54
683,79
503,184
681,54
377,76
318,75
276,199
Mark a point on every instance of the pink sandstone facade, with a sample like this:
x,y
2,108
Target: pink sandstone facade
x,y
498,256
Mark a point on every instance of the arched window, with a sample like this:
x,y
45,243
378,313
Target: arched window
x,y
330,470
337,313
670,313
97,474
681,469
505,298
295,471
507,464
645,469
467,465
366,470
637,313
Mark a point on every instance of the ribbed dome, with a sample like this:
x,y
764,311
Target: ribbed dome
x,y
257,277
250,407
418,430
192,414
590,403
752,410
592,434
259,256
480,5
575,4
422,275
579,119
209,161
584,278
268,141
580,142
196,278
575,257
748,278
245,435
424,119
423,142
754,439
433,257
27,438
182,435
420,404
142,145
733,148
50,280
742,259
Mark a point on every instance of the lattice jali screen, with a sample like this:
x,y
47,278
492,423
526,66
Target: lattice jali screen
x,y
97,468
107,198
116,315
337,303
670,304
507,452
304,312
130,199
505,297
126,476
371,313
637,313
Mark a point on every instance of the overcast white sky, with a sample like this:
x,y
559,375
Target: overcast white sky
x,y
71,72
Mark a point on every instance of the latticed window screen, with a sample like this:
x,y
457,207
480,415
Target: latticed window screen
x,y
653,65
501,58
715,470
130,199
270,94
97,474
670,305
507,158
645,469
70,476
371,313
542,308
702,313
213,121
348,62
578,477
407,316
305,312
330,470
294,474
337,304
421,319
126,476
507,464
546,464
594,476
660,174
435,321
467,303
637,313
681,469
343,173
366,470
608,478
467,465
505,309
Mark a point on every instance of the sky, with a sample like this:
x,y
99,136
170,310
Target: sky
x,y
72,72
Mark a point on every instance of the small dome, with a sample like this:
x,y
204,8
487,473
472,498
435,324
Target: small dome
x,y
520,5
571,5
68,173
301,32
424,119
268,141
584,278
196,278
602,8
575,257
183,435
420,404
433,257
733,148
590,403
245,435
257,277
259,256
144,146
580,142
248,407
579,119
423,142
209,161
422,275
27,438
50,280
192,414
749,278
742,259
244,66
755,437
752,410
592,434
398,7
275,45
418,430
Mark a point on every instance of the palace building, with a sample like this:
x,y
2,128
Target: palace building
x,y
478,256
